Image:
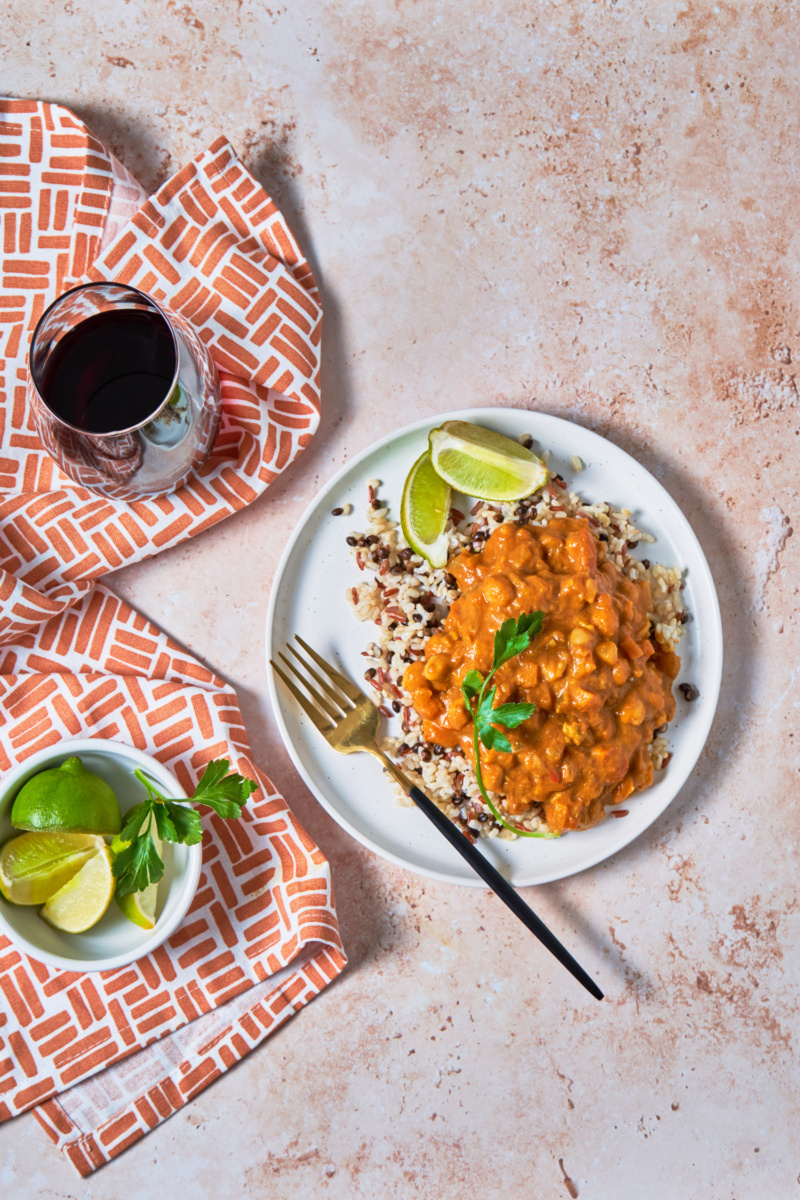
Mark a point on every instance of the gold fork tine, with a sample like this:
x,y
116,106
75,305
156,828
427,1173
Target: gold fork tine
x,y
350,690
336,696
319,700
308,708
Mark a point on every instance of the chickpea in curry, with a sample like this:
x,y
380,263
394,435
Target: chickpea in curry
x,y
601,685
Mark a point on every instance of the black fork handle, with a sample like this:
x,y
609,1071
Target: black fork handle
x,y
502,888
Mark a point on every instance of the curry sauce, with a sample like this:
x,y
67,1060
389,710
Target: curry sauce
x,y
600,685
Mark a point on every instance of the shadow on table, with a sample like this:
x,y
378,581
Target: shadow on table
x,y
727,561
270,163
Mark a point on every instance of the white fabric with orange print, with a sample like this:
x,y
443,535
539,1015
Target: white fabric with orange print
x,y
103,1058
210,244
259,941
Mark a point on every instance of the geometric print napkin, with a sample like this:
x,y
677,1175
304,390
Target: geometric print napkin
x,y
103,1058
107,1056
210,244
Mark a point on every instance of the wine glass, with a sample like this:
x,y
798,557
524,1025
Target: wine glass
x,y
124,394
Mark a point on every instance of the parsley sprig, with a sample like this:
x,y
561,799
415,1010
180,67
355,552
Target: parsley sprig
x,y
139,863
510,640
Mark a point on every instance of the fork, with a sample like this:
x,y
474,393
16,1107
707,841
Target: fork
x,y
348,720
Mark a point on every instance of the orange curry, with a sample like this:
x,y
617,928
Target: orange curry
x,y
600,685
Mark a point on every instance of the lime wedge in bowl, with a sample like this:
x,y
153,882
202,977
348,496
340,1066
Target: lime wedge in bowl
x,y
81,902
35,865
424,510
139,907
484,464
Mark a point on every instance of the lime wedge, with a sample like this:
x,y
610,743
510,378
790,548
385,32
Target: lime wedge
x,y
139,907
484,464
424,510
35,865
81,903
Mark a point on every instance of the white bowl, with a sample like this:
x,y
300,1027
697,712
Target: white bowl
x,y
114,941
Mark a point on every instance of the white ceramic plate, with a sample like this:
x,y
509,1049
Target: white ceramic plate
x,y
308,598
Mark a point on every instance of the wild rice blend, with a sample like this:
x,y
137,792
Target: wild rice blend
x,y
407,600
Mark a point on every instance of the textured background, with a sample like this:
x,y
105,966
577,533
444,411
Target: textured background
x,y
588,209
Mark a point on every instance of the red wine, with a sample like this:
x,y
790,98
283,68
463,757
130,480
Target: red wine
x,y
111,372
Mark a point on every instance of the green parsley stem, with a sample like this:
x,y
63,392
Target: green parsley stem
x,y
148,783
479,774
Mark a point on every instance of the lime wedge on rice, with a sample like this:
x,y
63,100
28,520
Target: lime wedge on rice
x,y
424,510
81,902
484,464
139,907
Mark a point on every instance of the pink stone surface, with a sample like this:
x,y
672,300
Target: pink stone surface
x,y
584,209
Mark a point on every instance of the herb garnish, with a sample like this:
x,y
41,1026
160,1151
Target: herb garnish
x,y
510,640
139,864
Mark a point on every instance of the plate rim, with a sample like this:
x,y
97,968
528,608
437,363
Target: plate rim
x,y
477,413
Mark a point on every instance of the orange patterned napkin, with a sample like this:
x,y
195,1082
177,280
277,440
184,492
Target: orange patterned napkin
x,y
259,941
106,1057
213,246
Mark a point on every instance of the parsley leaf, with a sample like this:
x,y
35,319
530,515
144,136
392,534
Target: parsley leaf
x,y
492,738
471,685
512,638
135,820
515,636
186,823
223,792
138,863
512,715
165,826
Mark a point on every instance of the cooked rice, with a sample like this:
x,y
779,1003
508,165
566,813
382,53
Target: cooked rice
x,y
407,600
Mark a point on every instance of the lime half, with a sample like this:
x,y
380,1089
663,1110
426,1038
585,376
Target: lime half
x,y
35,865
67,798
424,510
81,903
484,464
